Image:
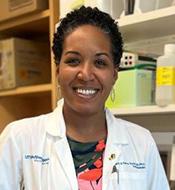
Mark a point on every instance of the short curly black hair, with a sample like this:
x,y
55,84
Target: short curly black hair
x,y
93,16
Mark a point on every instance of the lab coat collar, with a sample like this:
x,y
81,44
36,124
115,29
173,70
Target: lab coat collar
x,y
116,130
56,125
117,140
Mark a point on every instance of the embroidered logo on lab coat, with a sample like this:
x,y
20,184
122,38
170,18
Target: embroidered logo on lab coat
x,y
36,158
137,165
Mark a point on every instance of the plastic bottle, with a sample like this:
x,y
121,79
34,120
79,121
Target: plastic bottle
x,y
165,77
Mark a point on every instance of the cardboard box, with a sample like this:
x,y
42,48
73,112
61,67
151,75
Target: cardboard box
x,y
13,8
133,88
23,62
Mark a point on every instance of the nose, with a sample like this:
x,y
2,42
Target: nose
x,y
86,72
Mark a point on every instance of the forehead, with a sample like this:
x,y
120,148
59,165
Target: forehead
x,y
88,35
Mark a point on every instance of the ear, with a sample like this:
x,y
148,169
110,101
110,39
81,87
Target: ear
x,y
115,75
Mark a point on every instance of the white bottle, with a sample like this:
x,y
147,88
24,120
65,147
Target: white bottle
x,y
165,77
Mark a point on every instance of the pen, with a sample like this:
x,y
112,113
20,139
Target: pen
x,y
115,170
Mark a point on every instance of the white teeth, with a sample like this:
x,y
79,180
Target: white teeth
x,y
86,92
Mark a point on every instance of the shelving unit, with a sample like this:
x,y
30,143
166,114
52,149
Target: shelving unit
x,y
148,25
145,110
154,118
35,89
32,100
140,28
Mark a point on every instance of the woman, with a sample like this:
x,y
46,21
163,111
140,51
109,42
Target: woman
x,y
81,145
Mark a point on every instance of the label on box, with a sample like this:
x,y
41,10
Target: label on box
x,y
17,4
165,76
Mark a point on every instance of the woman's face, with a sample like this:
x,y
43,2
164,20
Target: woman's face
x,y
86,71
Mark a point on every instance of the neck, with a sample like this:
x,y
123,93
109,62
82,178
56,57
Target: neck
x,y
85,128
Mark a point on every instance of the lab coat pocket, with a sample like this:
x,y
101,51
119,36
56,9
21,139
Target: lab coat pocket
x,y
132,180
113,182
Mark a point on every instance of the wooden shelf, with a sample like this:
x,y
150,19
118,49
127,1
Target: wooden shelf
x,y
27,90
144,110
29,24
20,20
152,24
29,101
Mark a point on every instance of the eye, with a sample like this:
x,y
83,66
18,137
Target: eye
x,y
100,63
72,61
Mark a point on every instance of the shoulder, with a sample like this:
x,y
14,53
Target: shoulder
x,y
129,130
23,129
131,127
134,131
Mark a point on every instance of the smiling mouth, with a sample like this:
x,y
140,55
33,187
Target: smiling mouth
x,y
86,92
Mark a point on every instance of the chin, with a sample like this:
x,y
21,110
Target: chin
x,y
84,108
88,110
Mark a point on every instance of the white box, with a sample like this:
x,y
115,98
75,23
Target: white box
x,y
13,8
142,6
23,62
112,7
133,88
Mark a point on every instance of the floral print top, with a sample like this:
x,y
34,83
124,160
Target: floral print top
x,y
88,161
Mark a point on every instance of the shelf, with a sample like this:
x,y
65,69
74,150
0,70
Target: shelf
x,y
152,24
144,110
35,89
30,23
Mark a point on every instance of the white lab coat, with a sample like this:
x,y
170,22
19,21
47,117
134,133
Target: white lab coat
x,y
35,154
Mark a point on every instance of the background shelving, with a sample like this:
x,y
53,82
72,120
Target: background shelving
x,y
154,118
145,110
35,89
148,25
28,101
140,32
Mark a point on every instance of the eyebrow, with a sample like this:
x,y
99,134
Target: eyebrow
x,y
72,52
97,54
102,53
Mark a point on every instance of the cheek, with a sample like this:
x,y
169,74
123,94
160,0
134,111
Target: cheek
x,y
63,80
62,73
109,79
107,82
65,77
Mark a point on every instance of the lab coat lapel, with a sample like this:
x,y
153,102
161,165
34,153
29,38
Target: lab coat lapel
x,y
57,129
116,141
112,154
66,160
